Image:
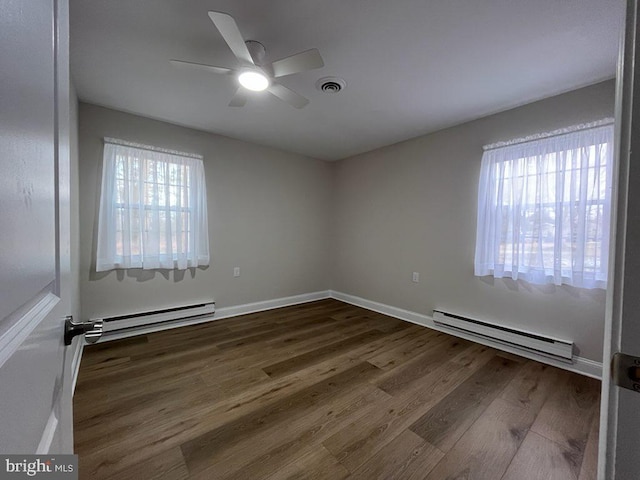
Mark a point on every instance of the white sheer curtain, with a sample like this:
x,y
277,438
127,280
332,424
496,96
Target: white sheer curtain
x,y
153,209
544,209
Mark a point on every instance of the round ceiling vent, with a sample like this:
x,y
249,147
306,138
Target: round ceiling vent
x,y
331,84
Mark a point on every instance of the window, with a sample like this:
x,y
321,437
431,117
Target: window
x,y
544,208
153,209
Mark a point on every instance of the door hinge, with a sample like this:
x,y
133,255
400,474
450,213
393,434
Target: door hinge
x,y
625,371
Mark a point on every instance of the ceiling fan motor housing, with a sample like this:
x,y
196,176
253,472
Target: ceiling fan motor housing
x,y
257,51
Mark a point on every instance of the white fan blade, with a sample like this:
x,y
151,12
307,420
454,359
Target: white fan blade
x,y
227,27
201,66
300,62
239,99
289,96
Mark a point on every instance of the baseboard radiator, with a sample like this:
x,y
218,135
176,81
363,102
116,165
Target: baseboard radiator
x,y
134,320
531,342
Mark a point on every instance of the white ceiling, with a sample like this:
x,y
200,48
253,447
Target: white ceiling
x,y
411,66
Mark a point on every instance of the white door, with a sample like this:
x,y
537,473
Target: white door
x,y
620,420
35,272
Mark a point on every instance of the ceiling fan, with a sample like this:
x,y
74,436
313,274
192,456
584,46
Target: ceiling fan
x,y
253,74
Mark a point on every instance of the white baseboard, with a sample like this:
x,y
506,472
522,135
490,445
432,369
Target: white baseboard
x,y
75,364
587,367
580,365
48,434
224,312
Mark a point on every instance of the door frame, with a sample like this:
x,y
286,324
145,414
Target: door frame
x,y
610,449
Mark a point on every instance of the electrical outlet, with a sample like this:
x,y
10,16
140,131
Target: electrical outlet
x,y
416,277
236,271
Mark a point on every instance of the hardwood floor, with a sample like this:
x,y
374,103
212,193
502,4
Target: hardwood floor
x,y
326,390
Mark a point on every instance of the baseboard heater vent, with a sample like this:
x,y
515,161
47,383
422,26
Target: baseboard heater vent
x,y
133,320
532,342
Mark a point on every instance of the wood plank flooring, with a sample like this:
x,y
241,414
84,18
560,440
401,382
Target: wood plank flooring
x,y
326,390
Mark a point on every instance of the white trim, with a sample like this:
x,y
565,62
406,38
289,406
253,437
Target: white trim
x,y
225,312
580,365
12,338
395,312
247,308
75,365
588,367
48,434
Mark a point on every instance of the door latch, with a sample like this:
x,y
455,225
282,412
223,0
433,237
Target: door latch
x,y
92,330
625,370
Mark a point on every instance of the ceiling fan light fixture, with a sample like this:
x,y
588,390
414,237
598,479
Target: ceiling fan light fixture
x,y
254,81
250,55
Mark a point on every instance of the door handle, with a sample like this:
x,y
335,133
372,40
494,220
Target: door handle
x,y
92,330
625,370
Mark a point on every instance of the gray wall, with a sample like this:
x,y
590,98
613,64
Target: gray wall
x,y
412,207
269,214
